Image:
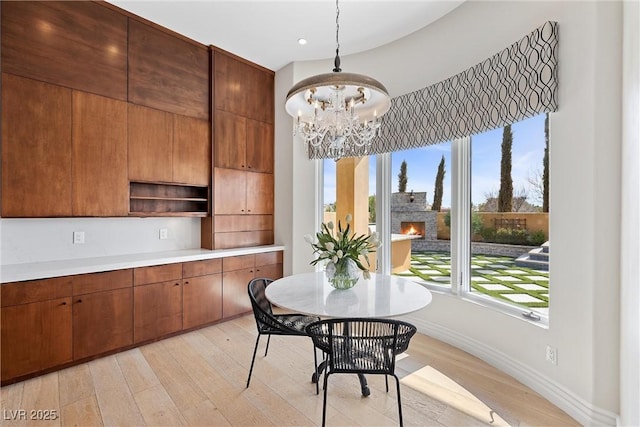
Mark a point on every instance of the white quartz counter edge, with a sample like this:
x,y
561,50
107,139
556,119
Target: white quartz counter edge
x,y
44,270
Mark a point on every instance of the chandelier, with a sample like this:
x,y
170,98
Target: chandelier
x,y
337,111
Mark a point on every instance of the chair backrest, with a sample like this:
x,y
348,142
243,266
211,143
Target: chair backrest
x,y
262,311
360,344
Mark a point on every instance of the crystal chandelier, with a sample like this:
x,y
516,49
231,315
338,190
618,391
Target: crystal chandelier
x,y
337,111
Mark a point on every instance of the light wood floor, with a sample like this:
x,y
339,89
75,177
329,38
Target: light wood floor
x,y
199,378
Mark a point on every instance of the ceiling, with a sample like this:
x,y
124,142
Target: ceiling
x,y
266,32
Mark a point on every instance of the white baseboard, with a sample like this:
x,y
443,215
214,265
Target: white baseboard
x,y
578,408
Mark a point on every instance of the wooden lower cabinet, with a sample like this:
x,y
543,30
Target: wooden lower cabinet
x,y
201,300
50,323
35,336
235,299
157,310
238,271
102,322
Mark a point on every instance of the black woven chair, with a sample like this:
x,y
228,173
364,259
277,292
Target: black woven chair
x,y
275,324
361,346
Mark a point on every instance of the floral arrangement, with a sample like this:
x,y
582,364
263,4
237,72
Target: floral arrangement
x,y
343,249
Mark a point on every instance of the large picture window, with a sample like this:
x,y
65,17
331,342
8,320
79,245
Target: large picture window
x,y
468,216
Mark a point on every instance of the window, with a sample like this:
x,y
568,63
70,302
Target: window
x,y
473,244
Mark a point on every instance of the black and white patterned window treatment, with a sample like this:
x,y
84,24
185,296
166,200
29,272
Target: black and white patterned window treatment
x,y
519,82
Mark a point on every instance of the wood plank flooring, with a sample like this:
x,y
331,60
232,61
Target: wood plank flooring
x,y
198,379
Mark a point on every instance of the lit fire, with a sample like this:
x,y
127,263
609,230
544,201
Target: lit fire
x,y
412,231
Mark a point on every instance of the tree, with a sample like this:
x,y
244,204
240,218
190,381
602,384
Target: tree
x,y
545,166
402,177
439,188
372,209
505,194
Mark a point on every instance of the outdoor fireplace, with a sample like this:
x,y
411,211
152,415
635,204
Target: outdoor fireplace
x,y
413,228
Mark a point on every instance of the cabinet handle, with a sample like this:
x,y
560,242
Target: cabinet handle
x,y
79,301
63,303
186,283
241,210
177,284
248,210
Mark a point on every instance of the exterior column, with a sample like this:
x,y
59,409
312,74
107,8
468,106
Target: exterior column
x,y
352,195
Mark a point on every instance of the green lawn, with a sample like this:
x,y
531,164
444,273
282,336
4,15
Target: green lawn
x,y
496,276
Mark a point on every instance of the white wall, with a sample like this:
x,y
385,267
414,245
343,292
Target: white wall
x,y
51,239
584,199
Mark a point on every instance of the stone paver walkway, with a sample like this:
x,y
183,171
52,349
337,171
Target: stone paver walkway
x,y
496,276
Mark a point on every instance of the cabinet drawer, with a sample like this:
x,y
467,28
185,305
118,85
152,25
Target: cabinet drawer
x,y
157,273
201,268
97,282
269,258
238,262
243,239
231,223
16,293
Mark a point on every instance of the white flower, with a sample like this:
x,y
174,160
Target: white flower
x,y
329,246
349,218
334,259
339,254
330,225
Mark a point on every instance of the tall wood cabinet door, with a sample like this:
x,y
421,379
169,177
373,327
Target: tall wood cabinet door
x,y
191,151
232,80
35,336
259,146
230,137
230,192
167,72
202,300
235,299
102,322
76,44
100,183
259,193
157,310
261,104
150,137
36,148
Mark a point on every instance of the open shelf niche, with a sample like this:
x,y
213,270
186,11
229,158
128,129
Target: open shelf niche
x,y
161,199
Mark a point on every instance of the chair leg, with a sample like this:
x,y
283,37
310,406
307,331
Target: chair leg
x,y
315,367
386,381
324,400
253,359
399,401
267,349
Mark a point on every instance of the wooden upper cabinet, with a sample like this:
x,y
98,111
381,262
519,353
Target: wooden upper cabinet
x,y
150,135
81,45
242,143
230,137
167,72
230,192
36,148
259,193
259,146
242,88
100,184
191,151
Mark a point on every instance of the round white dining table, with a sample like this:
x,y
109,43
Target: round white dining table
x,y
379,296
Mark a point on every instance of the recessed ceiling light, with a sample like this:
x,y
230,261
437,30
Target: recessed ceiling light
x,y
302,41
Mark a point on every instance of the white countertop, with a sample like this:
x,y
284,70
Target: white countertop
x,y
43,270
380,296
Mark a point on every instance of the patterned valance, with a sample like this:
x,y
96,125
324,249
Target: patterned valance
x,y
519,82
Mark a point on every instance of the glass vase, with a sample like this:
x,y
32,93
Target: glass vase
x,y
343,274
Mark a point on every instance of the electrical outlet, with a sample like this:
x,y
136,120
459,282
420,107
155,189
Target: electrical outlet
x,y
78,237
552,355
163,234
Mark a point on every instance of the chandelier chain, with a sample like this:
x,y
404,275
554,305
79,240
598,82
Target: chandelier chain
x,y
336,62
